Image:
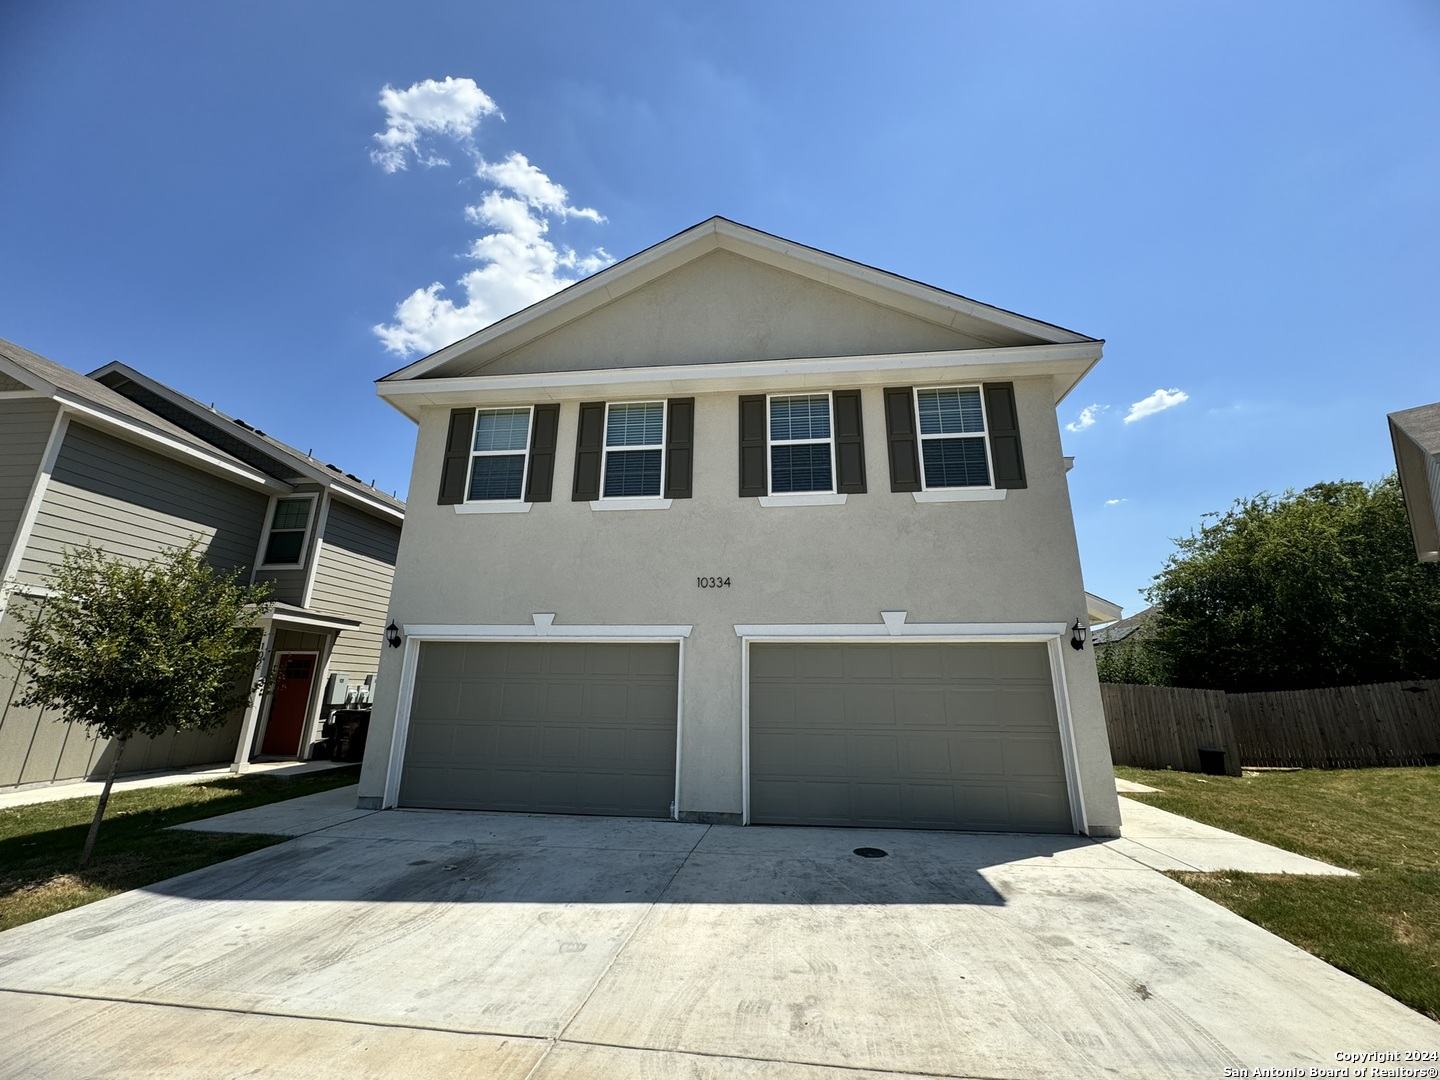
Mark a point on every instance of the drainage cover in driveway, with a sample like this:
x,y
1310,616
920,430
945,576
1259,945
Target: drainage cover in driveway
x,y
871,852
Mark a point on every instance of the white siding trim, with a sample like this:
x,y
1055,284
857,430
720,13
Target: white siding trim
x,y
1051,634
33,502
20,395
313,567
416,635
252,711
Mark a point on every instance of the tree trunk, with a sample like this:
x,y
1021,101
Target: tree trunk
x,y
100,806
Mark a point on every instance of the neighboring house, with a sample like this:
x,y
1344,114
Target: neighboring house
x,y
1121,629
120,461
1415,435
740,531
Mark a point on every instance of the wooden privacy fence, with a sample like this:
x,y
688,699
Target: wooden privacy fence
x,y
1159,727
1156,727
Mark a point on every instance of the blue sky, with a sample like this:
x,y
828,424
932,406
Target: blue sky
x,y
1243,199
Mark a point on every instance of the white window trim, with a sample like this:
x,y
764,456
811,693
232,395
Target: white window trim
x,y
304,543
965,494
983,436
893,629
633,502
542,628
805,497
511,506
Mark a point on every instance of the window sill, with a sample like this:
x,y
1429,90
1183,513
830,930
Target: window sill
x,y
630,504
493,508
805,499
960,495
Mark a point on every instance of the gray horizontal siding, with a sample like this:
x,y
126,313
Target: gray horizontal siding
x,y
24,431
357,567
135,504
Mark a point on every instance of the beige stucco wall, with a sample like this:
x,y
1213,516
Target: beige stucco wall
x,y
1013,560
724,308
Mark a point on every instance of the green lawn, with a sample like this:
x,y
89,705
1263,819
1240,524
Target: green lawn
x,y
40,845
1384,926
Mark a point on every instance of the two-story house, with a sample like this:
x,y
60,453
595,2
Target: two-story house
x,y
739,531
120,461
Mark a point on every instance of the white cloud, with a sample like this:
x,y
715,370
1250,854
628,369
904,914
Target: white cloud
x,y
1087,418
453,107
1115,502
519,263
1159,401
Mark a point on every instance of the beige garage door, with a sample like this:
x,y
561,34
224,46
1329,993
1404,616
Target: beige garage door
x,y
548,728
940,736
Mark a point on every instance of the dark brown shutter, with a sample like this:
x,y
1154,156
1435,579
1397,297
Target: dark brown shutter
x,y
456,466
542,453
849,443
589,449
679,447
1004,435
752,446
902,438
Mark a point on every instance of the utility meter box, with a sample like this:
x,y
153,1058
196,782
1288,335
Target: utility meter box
x,y
336,689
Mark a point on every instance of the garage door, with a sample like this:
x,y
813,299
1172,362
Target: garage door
x,y
941,736
550,728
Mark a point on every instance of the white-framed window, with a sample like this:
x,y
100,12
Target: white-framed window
x,y
500,455
954,449
634,453
802,444
287,530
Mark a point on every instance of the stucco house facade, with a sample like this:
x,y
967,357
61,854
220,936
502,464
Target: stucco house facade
x,y
1415,438
120,461
740,531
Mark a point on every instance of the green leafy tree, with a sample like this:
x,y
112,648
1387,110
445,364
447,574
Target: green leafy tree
x,y
1315,588
1133,659
134,650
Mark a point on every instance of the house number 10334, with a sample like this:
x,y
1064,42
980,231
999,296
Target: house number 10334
x,y
713,582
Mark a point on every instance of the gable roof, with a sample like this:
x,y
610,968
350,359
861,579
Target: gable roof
x,y
1119,631
184,427
1415,438
237,438
992,325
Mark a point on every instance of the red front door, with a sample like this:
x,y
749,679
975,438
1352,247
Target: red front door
x,y
289,704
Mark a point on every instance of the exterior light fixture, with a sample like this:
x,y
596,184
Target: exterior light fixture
x,y
392,635
1078,634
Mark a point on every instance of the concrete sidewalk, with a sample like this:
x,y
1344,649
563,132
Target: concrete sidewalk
x,y
198,775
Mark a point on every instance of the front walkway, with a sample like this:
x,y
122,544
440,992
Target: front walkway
x,y
197,775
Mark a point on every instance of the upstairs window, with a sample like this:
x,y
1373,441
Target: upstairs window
x,y
634,450
801,446
289,529
952,437
497,467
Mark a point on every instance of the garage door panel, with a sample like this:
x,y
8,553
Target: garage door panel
x,y
944,735
819,663
559,727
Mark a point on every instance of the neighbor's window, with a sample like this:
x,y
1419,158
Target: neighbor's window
x,y
801,450
497,470
288,526
634,449
952,437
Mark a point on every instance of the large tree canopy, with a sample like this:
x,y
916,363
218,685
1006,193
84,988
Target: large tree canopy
x,y
1316,588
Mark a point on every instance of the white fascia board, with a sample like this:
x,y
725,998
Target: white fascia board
x,y
541,632
1100,610
26,376
174,448
1066,362
356,499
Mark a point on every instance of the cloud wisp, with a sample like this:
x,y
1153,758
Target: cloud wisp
x,y
1115,502
519,264
1159,401
453,107
1087,417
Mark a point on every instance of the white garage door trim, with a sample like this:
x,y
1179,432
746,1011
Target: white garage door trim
x,y
542,628
892,629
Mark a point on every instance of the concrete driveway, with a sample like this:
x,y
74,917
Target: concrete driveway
x,y
506,946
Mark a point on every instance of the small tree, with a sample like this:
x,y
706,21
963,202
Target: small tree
x,y
1132,659
137,649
